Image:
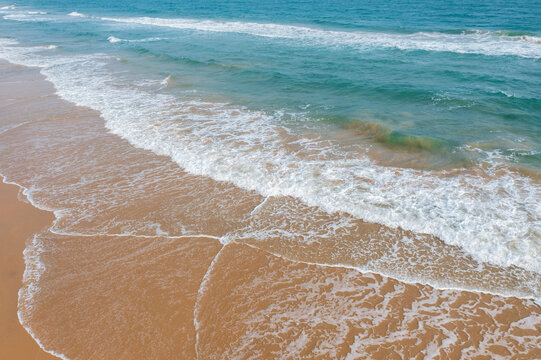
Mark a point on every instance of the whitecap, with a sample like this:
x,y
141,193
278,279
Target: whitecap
x,y
474,42
167,81
113,39
76,14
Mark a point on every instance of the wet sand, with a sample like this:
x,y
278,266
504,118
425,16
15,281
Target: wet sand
x,y
18,221
148,261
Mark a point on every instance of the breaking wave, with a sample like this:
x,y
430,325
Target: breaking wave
x,y
492,43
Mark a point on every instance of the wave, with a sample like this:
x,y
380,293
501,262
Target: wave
x,y
492,43
167,81
48,47
514,35
29,16
21,17
492,213
114,39
76,14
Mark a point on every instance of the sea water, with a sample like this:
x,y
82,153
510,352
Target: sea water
x,y
424,117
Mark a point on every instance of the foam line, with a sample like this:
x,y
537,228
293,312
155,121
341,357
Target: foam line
x,y
491,43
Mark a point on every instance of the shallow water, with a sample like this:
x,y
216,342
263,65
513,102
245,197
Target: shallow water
x,y
145,259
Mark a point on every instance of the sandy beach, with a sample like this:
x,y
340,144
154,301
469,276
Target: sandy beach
x,y
18,222
148,261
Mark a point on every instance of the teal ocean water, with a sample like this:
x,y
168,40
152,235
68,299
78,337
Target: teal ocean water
x,y
424,116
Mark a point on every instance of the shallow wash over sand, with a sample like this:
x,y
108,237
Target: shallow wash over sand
x,y
147,261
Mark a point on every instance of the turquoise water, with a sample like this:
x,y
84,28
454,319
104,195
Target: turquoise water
x,y
456,74
424,116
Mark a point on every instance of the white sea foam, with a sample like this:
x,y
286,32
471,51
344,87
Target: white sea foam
x,y
325,298
48,47
19,17
114,39
165,82
33,271
476,42
13,13
29,16
76,14
495,217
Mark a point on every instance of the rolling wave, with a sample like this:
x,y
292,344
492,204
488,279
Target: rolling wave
x,y
492,213
482,42
113,39
491,43
76,14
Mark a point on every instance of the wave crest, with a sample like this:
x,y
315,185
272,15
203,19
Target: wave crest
x,y
491,43
76,14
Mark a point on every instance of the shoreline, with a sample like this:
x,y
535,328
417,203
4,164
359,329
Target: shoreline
x,y
441,275
268,267
19,221
358,269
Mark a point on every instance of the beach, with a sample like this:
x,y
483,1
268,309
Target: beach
x,y
270,180
18,222
98,285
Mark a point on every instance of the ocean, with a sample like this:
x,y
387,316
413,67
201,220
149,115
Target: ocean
x,y
394,138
